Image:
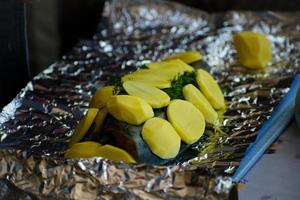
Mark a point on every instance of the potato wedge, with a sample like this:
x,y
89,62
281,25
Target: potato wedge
x,y
160,78
194,95
210,88
187,120
83,150
115,154
130,109
253,49
93,149
150,77
99,120
161,138
83,126
174,64
152,95
101,96
187,57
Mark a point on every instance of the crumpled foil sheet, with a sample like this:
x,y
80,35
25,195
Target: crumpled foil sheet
x,y
36,125
98,179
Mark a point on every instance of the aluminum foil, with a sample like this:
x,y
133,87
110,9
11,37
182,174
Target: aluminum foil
x,y
36,125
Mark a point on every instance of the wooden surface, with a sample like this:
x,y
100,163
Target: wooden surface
x,y
276,176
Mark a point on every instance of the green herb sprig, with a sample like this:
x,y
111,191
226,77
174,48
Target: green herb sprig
x,y
175,91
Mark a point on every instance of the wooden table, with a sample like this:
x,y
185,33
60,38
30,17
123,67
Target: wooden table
x,y
276,176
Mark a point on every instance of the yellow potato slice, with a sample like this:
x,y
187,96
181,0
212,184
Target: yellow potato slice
x,y
175,64
210,88
83,126
130,109
187,57
152,95
101,96
161,138
93,149
187,120
150,77
99,120
253,49
115,154
160,78
193,95
83,150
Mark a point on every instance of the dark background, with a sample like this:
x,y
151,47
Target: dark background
x,y
35,33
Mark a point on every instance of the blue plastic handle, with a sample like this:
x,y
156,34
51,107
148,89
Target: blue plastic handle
x,y
271,129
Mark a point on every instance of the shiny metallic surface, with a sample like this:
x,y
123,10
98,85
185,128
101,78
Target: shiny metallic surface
x,y
41,119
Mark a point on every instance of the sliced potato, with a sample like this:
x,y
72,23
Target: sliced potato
x,y
115,154
210,88
175,64
83,126
160,78
161,137
152,95
101,96
193,95
253,49
99,120
187,120
130,109
83,150
150,77
93,149
187,57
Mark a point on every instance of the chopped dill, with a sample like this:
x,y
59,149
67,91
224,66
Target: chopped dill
x,y
175,91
